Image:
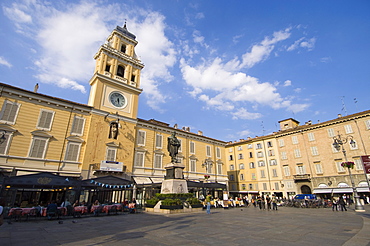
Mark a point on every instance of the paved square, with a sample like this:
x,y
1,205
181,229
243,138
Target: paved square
x,y
237,226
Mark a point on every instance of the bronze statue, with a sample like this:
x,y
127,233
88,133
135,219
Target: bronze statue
x,y
173,145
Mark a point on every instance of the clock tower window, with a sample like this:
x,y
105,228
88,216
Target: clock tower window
x,y
107,68
120,71
133,78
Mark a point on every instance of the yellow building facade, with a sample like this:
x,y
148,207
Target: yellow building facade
x,y
104,137
40,133
301,159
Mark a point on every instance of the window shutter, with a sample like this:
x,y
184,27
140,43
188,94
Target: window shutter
x,y
111,155
158,161
38,148
78,126
45,120
141,138
158,141
72,152
139,159
192,147
192,165
208,150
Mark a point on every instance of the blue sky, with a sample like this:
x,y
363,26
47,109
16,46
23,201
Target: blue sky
x,y
231,69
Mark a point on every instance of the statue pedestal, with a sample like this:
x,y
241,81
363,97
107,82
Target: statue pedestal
x,y
174,181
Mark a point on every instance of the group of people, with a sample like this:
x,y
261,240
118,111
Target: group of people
x,y
341,202
264,203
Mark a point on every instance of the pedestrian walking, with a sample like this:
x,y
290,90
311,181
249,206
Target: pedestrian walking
x,y
208,202
268,201
274,202
335,204
342,203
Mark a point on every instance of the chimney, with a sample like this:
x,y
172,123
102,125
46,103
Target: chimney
x,y
339,115
200,133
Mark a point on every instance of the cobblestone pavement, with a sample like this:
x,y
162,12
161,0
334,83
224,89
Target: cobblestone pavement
x,y
237,226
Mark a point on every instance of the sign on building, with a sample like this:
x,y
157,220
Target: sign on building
x,y
114,166
366,162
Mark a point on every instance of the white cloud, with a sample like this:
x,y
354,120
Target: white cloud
x,y
303,42
68,36
295,45
261,51
221,86
309,44
16,14
199,16
153,47
326,59
4,62
287,83
244,133
243,114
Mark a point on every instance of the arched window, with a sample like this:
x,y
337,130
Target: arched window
x,y
123,48
120,71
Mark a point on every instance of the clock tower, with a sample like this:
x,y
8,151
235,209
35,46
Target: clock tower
x,y
115,86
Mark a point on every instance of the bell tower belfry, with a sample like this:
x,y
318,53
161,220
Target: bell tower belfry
x,y
115,86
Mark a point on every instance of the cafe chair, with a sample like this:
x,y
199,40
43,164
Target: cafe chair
x,y
98,210
112,210
33,213
17,214
52,212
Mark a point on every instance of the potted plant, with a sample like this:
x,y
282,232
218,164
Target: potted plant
x,y
348,164
150,203
169,203
194,202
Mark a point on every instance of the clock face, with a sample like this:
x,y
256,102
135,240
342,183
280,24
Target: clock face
x,y
117,99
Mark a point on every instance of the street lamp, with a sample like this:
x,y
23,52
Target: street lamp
x,y
339,142
208,165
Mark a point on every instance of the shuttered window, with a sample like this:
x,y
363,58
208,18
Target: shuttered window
x,y
218,153
139,160
219,168
78,126
158,161
38,147
192,165
9,112
73,151
208,150
141,138
158,141
45,120
111,154
192,148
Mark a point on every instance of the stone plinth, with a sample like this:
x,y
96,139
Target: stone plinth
x,y
174,186
174,181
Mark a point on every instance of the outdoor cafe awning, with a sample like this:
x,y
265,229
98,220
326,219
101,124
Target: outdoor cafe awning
x,y
41,180
339,190
108,182
322,191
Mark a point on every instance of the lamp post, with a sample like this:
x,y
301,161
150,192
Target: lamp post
x,y
338,144
208,165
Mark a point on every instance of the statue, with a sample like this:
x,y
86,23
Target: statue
x,y
173,145
113,130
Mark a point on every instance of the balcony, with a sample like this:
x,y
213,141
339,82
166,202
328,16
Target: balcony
x,y
302,178
121,79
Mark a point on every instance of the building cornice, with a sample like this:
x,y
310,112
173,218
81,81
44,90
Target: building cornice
x,y
180,133
12,91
